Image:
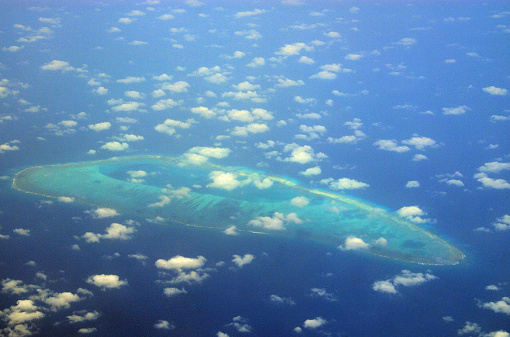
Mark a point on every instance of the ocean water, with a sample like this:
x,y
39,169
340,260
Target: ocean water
x,y
404,65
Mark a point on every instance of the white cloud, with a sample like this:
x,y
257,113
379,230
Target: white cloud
x,y
353,57
62,300
118,231
455,182
276,222
385,287
354,243
103,212
420,142
115,146
101,91
413,214
163,325
224,180
178,263
170,292
216,78
256,62
312,171
300,201
244,131
100,126
170,125
503,223
407,41
344,184
249,13
286,82
128,106
314,323
131,79
232,230
211,152
390,145
281,300
164,104
203,111
412,184
293,49
106,281
57,65
65,199
243,260
22,231
302,154
419,157
494,167
460,110
406,278
177,87
495,91
502,306
166,17
498,184
8,147
306,60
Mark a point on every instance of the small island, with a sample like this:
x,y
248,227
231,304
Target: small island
x,y
237,199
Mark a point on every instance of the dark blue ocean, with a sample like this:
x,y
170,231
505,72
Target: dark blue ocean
x,y
416,62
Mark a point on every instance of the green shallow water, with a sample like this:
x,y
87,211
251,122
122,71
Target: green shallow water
x,y
329,217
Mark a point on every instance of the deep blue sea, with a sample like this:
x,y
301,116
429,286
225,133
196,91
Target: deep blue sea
x,y
430,79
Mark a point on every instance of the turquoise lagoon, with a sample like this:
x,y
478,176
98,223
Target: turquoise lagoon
x,y
214,196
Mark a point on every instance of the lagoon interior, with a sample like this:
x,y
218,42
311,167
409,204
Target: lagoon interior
x,y
173,189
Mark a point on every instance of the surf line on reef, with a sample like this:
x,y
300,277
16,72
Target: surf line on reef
x,y
251,209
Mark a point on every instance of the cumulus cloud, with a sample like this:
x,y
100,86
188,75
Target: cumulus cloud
x,y
412,184
276,222
354,243
275,299
170,126
115,146
232,230
114,231
224,180
106,281
179,263
104,212
314,323
420,142
57,65
164,325
344,184
494,167
243,260
253,128
413,214
170,292
486,181
502,306
131,79
460,110
100,126
203,111
495,91
302,154
503,223
256,11
390,145
293,49
406,278
312,171
300,201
